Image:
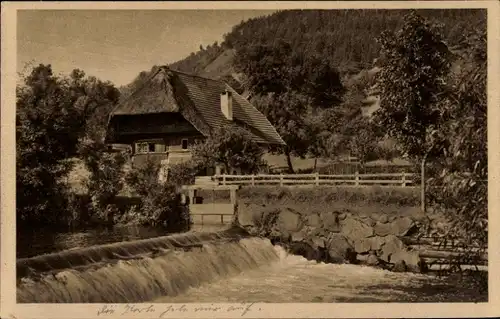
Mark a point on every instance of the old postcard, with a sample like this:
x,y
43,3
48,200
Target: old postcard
x,y
249,159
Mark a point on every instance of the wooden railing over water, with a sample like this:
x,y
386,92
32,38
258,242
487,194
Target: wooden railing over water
x,y
402,179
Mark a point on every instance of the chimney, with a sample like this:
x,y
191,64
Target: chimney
x,y
226,104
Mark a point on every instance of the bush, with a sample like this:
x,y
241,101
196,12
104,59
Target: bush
x,y
106,177
141,178
183,173
161,203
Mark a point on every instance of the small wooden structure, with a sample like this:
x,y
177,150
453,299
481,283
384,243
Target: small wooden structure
x,y
211,213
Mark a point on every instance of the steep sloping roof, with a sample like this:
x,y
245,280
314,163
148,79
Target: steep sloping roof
x,y
198,100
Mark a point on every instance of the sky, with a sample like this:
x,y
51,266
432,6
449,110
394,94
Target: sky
x,y
116,45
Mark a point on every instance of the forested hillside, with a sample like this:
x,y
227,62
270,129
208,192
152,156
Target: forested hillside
x,y
318,65
345,38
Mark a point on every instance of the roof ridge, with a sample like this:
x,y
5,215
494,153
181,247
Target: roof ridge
x,y
134,92
192,75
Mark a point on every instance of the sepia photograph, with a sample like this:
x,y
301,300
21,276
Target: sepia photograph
x,y
247,156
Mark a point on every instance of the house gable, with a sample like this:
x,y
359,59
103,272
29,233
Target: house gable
x,y
197,100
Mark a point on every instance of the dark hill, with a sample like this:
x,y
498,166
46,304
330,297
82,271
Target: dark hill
x,y
346,38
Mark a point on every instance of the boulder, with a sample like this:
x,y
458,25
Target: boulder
x,y
376,242
305,250
391,247
364,245
314,220
354,229
382,218
319,232
411,259
402,226
372,259
338,247
368,220
290,221
382,229
318,242
392,217
331,221
248,215
299,236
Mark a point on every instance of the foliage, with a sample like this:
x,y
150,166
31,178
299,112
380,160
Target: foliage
x,y
290,86
462,187
161,203
433,109
279,68
287,112
411,83
52,115
344,38
183,173
232,147
106,175
140,178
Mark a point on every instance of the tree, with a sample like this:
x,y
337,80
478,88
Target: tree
x,y
443,115
412,85
287,112
232,147
289,86
51,117
363,137
462,187
106,176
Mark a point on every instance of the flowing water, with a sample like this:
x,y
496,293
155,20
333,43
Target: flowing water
x,y
216,267
43,241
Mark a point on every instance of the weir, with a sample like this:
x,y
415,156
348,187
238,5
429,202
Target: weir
x,y
141,270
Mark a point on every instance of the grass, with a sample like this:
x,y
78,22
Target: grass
x,y
363,200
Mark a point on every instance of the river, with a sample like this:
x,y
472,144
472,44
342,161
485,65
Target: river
x,y
249,270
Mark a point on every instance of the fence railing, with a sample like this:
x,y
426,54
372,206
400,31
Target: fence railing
x,y
402,179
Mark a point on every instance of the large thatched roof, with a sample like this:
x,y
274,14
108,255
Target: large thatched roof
x,y
197,99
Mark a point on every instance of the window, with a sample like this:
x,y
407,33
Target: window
x,y
184,143
150,147
142,147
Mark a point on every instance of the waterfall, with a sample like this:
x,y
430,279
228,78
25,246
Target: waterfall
x,y
139,271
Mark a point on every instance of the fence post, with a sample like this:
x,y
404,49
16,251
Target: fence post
x,y
281,179
356,178
224,179
253,180
403,179
317,179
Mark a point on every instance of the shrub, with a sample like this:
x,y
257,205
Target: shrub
x,y
161,203
106,177
183,173
141,178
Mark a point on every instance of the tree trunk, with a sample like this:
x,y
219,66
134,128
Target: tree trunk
x,y
422,184
315,164
289,162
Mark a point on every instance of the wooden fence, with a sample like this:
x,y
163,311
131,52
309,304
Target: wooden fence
x,y
402,179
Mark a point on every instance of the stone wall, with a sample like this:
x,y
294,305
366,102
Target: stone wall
x,y
338,236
